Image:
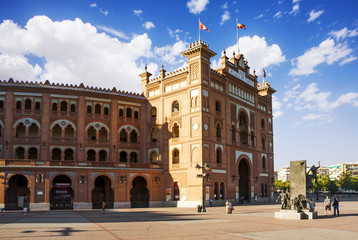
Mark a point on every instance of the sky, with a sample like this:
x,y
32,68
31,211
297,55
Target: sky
x,y
307,48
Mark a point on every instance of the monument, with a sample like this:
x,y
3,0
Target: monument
x,y
294,203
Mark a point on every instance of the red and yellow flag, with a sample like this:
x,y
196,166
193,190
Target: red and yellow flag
x,y
239,25
202,27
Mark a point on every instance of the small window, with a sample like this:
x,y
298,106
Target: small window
x,y
91,155
63,106
175,106
56,154
54,107
89,109
263,162
129,112
218,131
175,131
133,157
69,154
263,125
18,105
123,157
73,108
175,156
218,106
123,136
28,104
154,135
218,155
1,104
105,110
37,106
154,112
133,137
154,157
136,114
102,155
121,112
97,109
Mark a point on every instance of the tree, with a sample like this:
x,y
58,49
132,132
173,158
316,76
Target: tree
x,y
280,185
345,181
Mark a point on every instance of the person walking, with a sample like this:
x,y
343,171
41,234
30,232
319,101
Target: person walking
x,y
327,205
211,202
231,208
103,207
227,204
335,205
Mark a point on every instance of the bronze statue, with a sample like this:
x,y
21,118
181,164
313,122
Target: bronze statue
x,y
284,199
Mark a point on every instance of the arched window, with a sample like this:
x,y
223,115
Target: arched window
x,y
123,156
57,131
1,104
20,130
102,156
33,130
265,190
175,106
216,191
217,106
175,156
103,134
218,130
121,112
28,104
97,109
252,138
69,154
123,136
91,133
89,109
263,162
262,125
133,157
175,131
136,114
263,142
154,157
91,155
154,112
176,192
153,135
56,154
262,189
18,105
33,153
133,136
106,111
222,190
129,112
218,155
20,153
243,128
63,107
37,106
69,132
233,133
54,107
73,108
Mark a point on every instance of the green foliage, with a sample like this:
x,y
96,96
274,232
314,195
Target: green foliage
x,y
345,182
324,183
280,185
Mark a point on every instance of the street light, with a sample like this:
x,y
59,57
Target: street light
x,y
202,176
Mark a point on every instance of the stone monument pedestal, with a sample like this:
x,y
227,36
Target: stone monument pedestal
x,y
295,214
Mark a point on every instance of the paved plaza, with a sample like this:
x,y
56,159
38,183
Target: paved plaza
x,y
247,222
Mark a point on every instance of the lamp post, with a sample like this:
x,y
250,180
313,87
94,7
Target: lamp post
x,y
202,176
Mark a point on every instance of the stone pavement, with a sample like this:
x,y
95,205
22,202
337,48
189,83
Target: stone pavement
x,y
247,222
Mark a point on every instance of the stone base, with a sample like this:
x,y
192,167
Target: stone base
x,y
40,206
82,205
122,205
295,215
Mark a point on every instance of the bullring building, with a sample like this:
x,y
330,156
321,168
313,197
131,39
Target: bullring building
x,y
72,147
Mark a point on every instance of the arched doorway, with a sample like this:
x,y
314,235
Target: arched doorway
x,y
139,193
61,194
244,174
176,195
102,191
17,195
216,191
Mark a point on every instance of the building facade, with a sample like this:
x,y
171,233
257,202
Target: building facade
x,y
74,146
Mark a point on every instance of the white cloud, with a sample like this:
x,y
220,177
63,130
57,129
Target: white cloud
x,y
327,52
348,60
312,98
295,9
73,52
113,32
314,15
295,1
313,116
278,14
148,25
276,107
259,16
93,5
224,17
175,33
171,53
137,12
197,6
344,33
104,12
225,6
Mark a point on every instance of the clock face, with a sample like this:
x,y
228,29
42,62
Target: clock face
x,y
195,126
206,127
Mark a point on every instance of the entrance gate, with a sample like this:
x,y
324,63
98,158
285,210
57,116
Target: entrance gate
x,y
244,179
17,195
102,191
139,193
61,194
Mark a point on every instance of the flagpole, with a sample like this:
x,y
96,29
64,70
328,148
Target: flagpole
x,y
199,30
237,37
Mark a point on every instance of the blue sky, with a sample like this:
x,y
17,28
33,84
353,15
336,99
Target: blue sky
x,y
308,49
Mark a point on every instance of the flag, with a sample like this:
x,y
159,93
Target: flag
x,y
239,25
264,72
202,27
